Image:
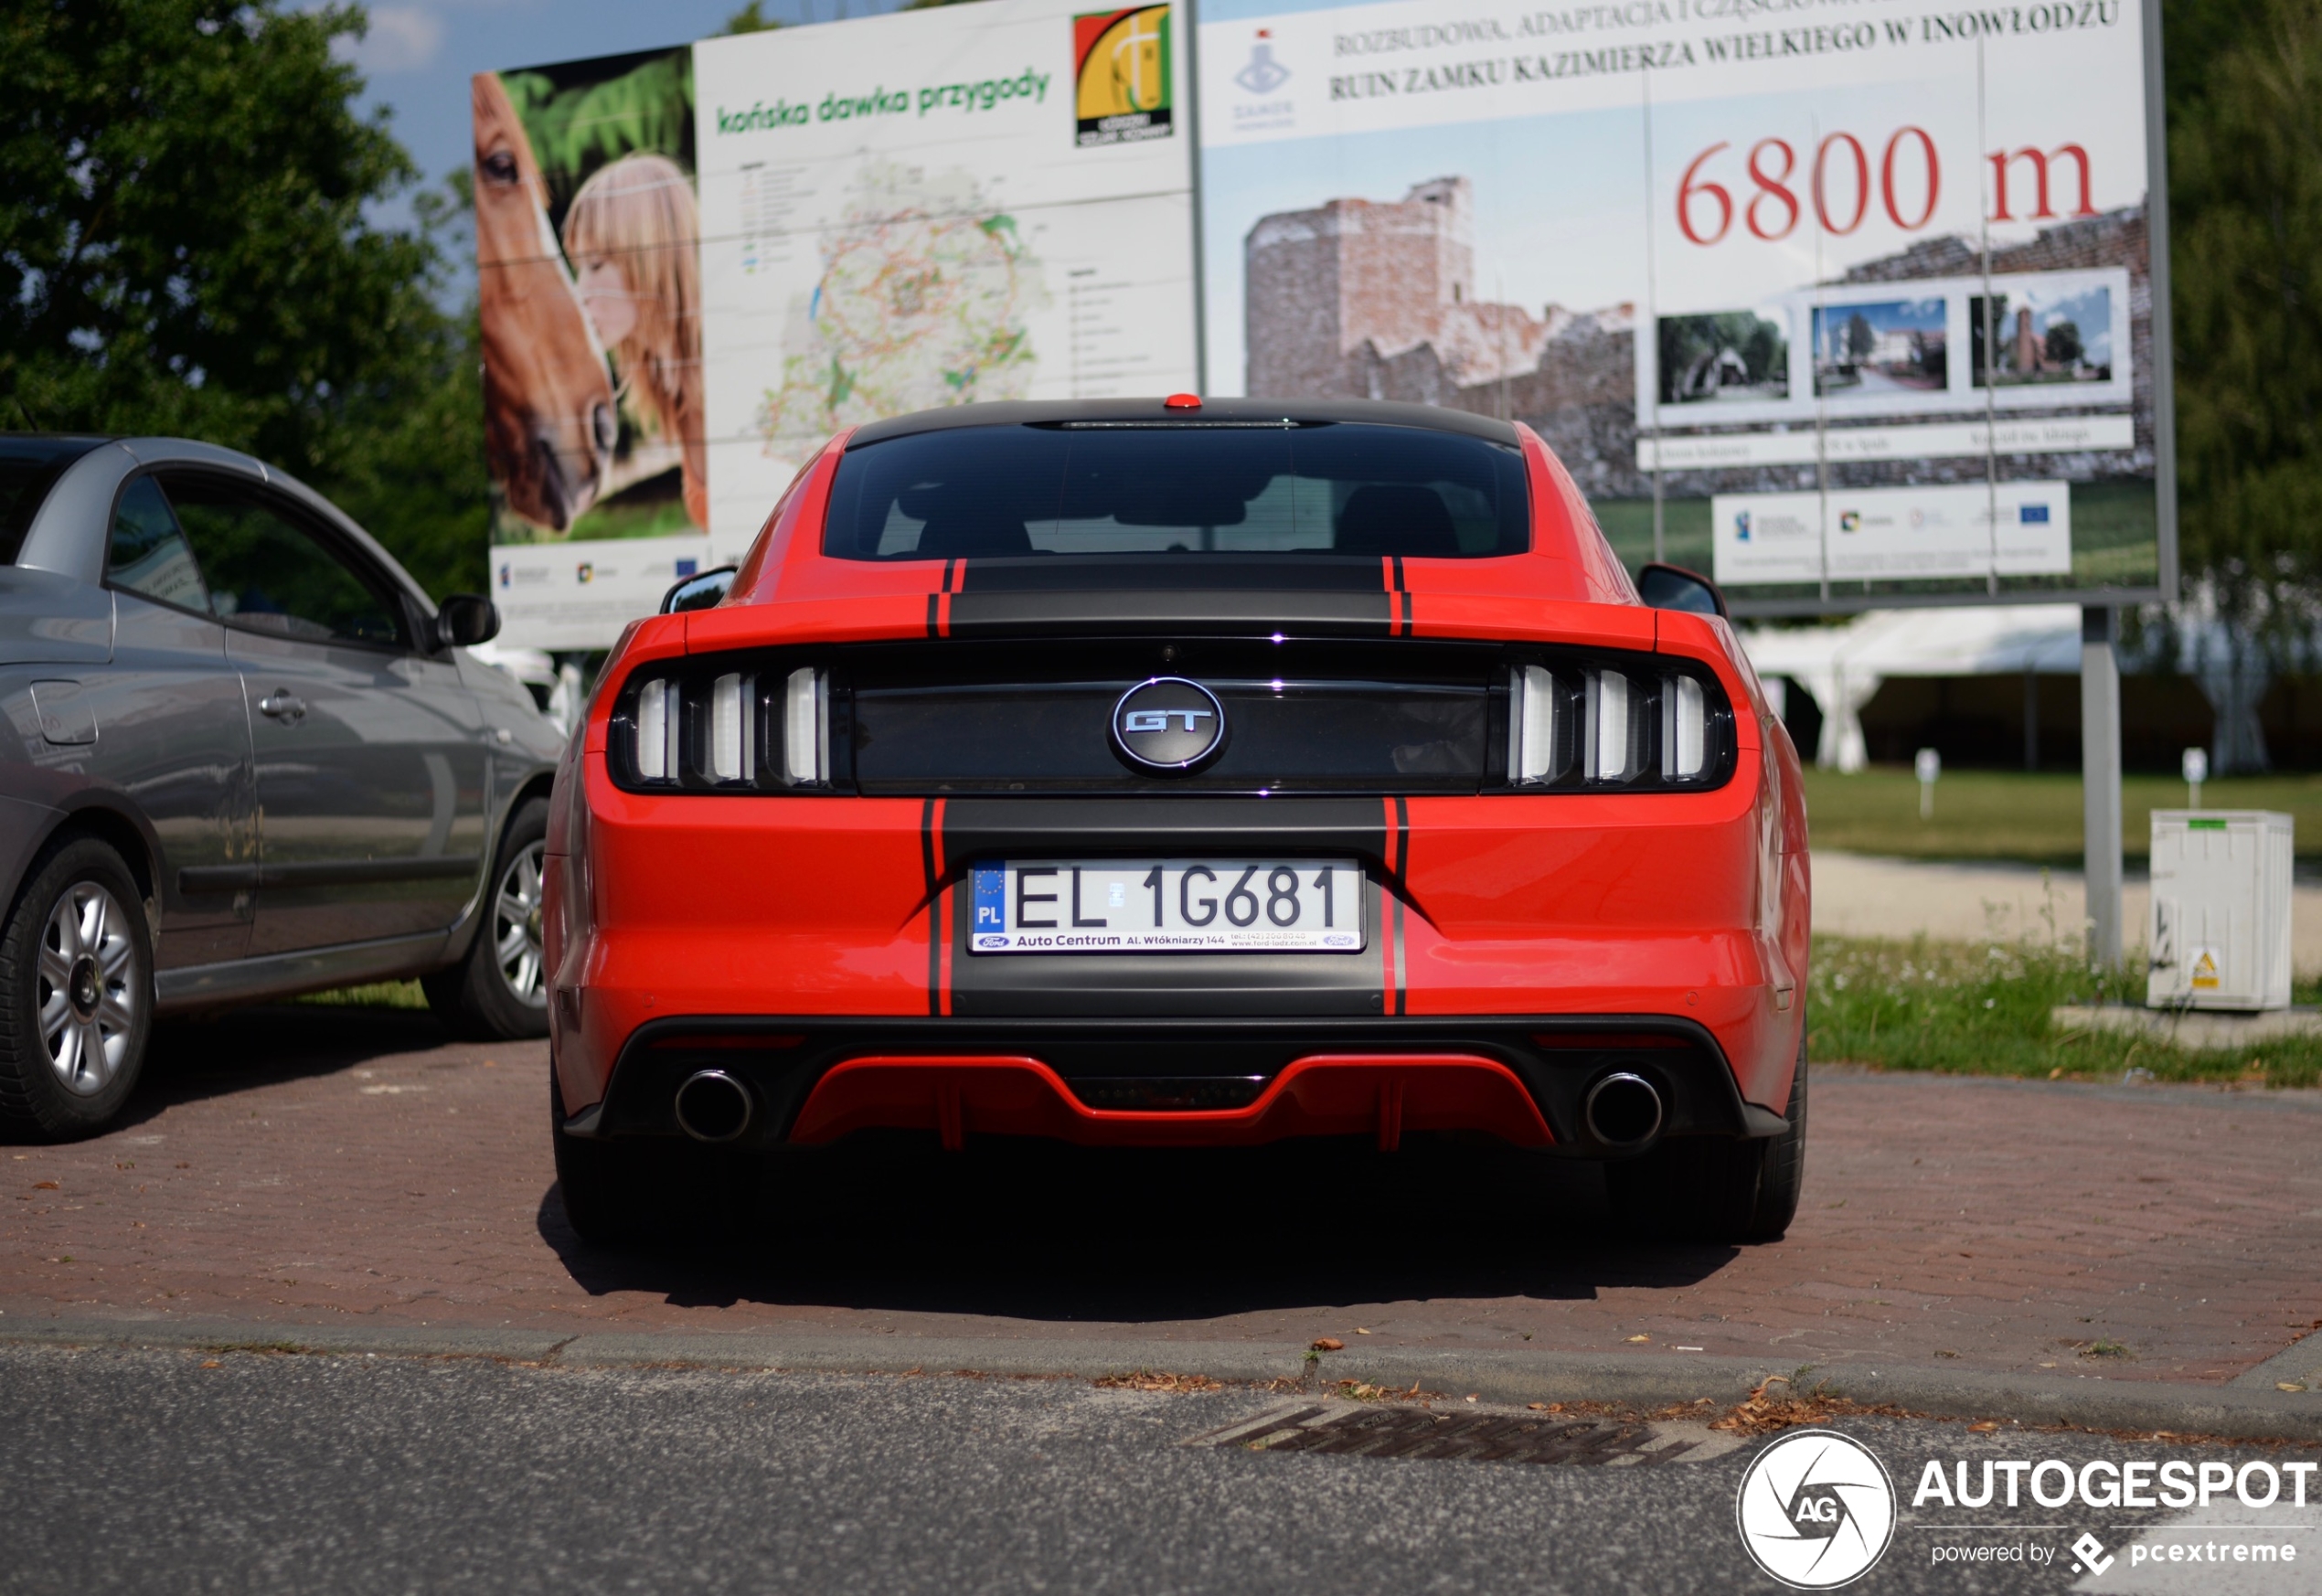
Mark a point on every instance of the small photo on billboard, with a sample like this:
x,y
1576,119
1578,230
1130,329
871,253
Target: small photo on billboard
x,y
2043,336
1726,357
1890,347
588,242
1121,75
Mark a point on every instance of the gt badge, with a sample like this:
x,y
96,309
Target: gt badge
x,y
1168,724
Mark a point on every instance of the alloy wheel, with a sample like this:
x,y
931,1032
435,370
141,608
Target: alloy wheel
x,y
89,990
515,926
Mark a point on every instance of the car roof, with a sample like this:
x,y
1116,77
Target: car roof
x,y
57,540
1216,413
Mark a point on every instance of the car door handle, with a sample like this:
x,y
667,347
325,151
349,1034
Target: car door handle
x,y
284,704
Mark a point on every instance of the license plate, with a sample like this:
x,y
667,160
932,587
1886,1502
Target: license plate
x,y
1115,906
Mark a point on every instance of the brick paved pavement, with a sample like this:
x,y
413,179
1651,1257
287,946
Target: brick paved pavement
x,y
315,1166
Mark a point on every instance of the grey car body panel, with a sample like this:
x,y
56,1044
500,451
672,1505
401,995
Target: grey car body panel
x,y
251,980
46,619
173,757
371,798
24,825
172,737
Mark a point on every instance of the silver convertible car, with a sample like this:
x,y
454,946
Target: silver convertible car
x,y
242,755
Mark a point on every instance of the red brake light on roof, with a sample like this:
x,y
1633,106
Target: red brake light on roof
x,y
1182,401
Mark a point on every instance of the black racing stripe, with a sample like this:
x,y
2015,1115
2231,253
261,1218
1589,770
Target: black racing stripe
x,y
989,829
1186,572
1114,611
1403,975
1399,575
1406,612
933,601
1042,828
951,570
928,852
1399,853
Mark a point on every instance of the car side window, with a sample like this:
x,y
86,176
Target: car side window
x,y
268,573
148,553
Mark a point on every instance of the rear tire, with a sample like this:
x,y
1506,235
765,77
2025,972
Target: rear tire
x,y
603,1184
499,992
76,994
1735,1192
625,1191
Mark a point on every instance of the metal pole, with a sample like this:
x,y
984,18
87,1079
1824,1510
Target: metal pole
x,y
1193,161
2100,780
2031,718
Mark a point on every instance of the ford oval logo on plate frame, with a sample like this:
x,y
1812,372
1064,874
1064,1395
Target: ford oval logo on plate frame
x,y
1168,724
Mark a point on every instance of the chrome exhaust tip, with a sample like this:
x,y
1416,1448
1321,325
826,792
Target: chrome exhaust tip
x,y
713,1106
1623,1111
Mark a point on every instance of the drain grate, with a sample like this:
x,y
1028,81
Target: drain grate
x,y
1409,1431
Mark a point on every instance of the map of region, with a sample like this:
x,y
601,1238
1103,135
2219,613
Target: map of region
x,y
923,301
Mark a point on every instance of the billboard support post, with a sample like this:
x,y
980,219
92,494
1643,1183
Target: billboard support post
x,y
2100,776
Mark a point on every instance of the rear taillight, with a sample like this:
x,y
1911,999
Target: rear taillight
x,y
1631,723
805,748
698,728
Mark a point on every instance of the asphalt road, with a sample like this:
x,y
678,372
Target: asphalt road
x,y
250,1472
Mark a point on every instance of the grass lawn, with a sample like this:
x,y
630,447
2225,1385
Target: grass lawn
x,y
377,994
1983,1009
2002,815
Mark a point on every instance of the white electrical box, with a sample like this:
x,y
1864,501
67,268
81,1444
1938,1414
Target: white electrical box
x,y
2219,936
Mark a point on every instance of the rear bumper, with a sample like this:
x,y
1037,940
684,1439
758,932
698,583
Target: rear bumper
x,y
1147,1082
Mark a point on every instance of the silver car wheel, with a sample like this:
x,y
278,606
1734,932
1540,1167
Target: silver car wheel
x,y
515,926
88,988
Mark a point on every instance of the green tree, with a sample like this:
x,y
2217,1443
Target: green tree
x,y
185,249
1860,339
2245,188
2062,343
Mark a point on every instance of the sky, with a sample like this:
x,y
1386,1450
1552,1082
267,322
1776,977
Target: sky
x,y
420,54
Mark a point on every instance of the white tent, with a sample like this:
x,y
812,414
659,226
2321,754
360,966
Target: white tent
x,y
1841,667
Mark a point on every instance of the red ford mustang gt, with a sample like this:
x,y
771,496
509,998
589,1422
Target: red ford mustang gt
x,y
1176,774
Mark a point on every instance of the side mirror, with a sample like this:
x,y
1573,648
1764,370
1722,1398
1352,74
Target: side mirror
x,y
464,620
697,592
1672,587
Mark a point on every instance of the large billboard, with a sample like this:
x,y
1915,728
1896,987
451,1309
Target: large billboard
x,y
853,220
1845,303
1849,304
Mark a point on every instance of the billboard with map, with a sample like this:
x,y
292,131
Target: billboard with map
x,y
1849,309
885,215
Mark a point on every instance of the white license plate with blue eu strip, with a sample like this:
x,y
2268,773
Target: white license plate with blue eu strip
x,y
1144,906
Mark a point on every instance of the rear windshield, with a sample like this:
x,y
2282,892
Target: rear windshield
x,y
1098,488
28,469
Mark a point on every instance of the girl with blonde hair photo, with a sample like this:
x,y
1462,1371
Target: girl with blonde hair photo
x,y
632,234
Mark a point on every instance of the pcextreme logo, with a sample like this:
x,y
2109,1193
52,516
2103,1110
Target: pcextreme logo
x,y
1815,1510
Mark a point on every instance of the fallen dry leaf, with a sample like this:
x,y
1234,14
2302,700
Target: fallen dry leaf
x,y
2288,1386
1633,1339
1360,1331
1986,1428
44,1186
1762,1413
1146,1379
1329,1344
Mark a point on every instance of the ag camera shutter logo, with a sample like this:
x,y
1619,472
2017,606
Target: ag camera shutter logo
x,y
1815,1510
